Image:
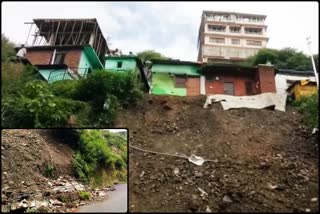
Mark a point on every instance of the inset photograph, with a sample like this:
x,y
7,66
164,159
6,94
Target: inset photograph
x,y
64,170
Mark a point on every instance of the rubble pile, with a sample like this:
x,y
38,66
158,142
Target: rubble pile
x,y
60,195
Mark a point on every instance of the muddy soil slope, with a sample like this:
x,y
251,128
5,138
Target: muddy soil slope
x,y
263,160
25,154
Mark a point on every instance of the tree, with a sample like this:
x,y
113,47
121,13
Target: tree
x,y
264,55
288,58
7,48
150,54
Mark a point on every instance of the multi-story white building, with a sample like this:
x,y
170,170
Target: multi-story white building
x,y
227,36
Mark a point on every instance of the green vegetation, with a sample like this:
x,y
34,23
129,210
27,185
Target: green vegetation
x,y
7,48
34,105
50,170
96,155
309,107
288,58
28,102
150,54
32,210
84,195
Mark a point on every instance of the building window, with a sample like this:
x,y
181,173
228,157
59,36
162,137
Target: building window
x,y
59,58
253,30
180,82
228,88
217,28
226,17
235,29
235,41
119,64
249,88
216,40
254,43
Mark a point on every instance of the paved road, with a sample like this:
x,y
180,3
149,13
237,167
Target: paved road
x,y
116,202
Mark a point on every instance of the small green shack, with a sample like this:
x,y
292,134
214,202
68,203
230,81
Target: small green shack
x,y
127,63
174,77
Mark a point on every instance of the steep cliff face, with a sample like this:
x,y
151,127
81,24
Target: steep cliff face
x,y
26,153
262,160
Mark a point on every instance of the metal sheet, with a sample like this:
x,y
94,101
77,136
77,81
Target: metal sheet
x,y
256,101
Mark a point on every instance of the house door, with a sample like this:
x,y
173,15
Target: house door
x,y
228,88
193,86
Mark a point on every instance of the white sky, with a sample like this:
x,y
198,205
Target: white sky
x,y
167,27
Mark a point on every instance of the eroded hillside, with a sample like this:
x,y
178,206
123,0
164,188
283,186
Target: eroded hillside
x,y
263,160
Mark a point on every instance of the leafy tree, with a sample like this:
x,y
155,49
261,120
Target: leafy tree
x,y
285,58
264,55
7,48
36,106
150,54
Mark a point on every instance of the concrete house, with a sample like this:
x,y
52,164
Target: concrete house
x,y
191,79
171,77
286,77
230,36
63,62
128,64
66,48
237,80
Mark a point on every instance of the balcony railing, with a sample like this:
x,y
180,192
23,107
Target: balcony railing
x,y
235,20
67,74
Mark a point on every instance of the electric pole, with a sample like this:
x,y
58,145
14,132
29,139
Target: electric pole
x,y
313,64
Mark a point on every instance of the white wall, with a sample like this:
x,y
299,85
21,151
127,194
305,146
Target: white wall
x,y
228,51
281,81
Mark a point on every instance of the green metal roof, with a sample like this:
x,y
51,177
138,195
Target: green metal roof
x,y
179,69
122,57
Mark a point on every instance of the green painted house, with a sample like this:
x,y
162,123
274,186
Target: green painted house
x,y
127,64
173,77
56,63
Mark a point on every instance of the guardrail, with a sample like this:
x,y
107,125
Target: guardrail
x,y
69,73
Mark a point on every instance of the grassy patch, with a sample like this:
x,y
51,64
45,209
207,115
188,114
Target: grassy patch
x,y
85,195
49,170
309,107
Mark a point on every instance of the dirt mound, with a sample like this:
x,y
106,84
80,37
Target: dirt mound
x,y
264,161
25,154
26,158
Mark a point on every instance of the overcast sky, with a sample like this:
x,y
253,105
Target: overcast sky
x,y
167,27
